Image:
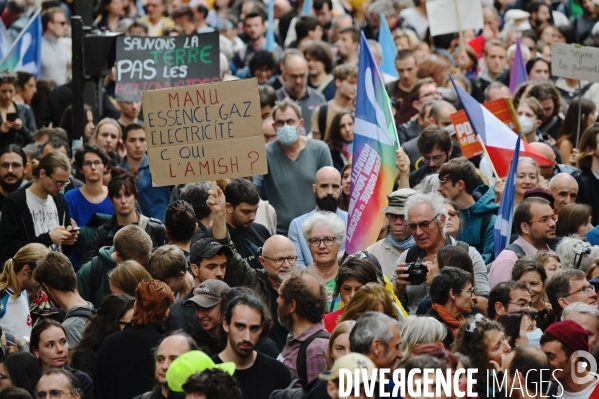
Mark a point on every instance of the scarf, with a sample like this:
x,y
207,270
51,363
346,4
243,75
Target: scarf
x,y
401,245
451,322
348,150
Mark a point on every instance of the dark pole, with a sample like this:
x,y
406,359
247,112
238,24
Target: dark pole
x,y
78,78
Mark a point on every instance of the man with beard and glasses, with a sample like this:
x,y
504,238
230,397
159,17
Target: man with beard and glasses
x,y
243,321
327,191
169,349
243,199
13,166
278,261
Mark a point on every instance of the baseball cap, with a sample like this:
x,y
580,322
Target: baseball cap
x,y
207,248
351,362
207,294
190,363
570,334
397,201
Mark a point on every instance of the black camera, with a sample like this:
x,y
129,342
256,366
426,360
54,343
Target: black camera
x,y
417,272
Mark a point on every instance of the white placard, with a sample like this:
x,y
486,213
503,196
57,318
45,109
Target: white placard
x,y
443,17
575,62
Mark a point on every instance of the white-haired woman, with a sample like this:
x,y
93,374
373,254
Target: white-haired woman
x,y
575,253
416,331
324,232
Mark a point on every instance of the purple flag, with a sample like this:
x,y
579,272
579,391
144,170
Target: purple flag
x,y
518,73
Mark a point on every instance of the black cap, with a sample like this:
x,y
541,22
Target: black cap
x,y
207,248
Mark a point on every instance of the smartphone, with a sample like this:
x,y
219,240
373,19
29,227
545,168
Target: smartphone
x,y
11,116
75,229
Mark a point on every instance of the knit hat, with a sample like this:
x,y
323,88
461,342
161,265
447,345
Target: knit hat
x,y
397,201
190,363
570,334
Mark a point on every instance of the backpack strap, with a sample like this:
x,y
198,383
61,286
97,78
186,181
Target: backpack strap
x,y
585,182
463,245
95,277
517,249
82,312
585,88
302,370
322,119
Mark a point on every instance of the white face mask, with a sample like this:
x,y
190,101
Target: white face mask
x,y
527,124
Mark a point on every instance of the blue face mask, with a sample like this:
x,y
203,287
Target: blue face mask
x,y
534,338
287,134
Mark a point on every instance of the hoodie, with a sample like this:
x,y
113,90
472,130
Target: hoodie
x,y
84,276
472,219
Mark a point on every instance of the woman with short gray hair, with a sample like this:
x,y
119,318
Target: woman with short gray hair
x,y
416,331
324,232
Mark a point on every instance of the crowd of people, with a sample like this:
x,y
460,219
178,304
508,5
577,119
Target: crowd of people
x,y
113,288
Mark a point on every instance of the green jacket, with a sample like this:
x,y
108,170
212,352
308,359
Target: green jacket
x,y
84,283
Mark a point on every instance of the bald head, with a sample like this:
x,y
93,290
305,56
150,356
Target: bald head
x,y
278,247
327,188
564,189
546,151
441,113
275,244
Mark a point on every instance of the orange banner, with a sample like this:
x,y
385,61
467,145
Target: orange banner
x,y
466,136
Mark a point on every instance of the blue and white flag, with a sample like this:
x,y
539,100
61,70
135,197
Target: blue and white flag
x,y
5,40
389,50
307,7
505,215
270,33
25,54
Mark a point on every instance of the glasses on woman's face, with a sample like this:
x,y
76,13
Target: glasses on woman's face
x,y
453,213
315,242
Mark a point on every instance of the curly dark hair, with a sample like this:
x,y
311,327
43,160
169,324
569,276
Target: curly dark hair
x,y
310,305
213,384
471,342
262,58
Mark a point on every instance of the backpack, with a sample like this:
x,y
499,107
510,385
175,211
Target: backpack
x,y
81,312
95,277
516,249
292,392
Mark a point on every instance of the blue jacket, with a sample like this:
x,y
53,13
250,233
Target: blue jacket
x,y
472,219
152,200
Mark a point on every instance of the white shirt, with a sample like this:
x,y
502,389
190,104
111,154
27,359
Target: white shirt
x,y
584,394
16,319
44,215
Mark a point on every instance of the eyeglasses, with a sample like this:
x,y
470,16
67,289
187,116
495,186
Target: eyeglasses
x,y
436,159
478,318
430,94
14,165
471,291
54,394
545,219
62,23
315,242
453,213
393,218
289,122
88,164
279,261
59,183
442,182
584,290
423,225
522,304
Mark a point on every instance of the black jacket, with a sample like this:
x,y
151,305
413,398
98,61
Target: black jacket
x,y
87,386
182,316
16,225
104,236
125,366
449,338
23,136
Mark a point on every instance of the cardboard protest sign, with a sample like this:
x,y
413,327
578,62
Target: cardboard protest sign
x,y
150,63
204,132
443,16
470,146
575,62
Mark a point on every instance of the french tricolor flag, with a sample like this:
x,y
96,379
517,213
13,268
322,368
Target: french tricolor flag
x,y
499,139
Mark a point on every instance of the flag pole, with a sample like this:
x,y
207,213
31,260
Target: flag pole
x,y
514,114
460,33
480,140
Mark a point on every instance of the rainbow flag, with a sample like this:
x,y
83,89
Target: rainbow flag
x,y
25,52
373,165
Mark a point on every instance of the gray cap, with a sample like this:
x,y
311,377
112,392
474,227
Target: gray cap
x,y
207,294
397,201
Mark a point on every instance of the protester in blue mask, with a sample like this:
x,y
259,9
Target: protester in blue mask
x,y
521,328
